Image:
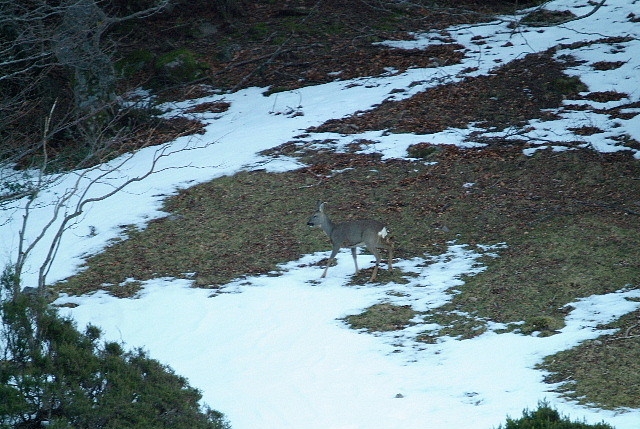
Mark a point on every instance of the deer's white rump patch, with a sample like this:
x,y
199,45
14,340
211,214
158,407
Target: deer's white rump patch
x,y
383,232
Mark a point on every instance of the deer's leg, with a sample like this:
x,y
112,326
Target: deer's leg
x,y
374,274
334,252
376,253
390,256
354,253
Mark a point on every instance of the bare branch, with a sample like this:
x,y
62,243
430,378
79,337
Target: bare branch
x,y
64,45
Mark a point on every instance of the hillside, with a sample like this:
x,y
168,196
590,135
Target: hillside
x,y
502,150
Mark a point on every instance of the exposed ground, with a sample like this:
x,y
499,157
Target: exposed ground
x,y
570,219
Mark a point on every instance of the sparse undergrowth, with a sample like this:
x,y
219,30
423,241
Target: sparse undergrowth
x,y
604,372
509,96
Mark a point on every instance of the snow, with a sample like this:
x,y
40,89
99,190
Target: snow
x,y
272,351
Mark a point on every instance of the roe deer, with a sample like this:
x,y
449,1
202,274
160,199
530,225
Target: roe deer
x,y
370,233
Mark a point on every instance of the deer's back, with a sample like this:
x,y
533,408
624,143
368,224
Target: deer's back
x,y
355,232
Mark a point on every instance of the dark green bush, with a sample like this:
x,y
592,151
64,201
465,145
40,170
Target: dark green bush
x,y
52,374
546,417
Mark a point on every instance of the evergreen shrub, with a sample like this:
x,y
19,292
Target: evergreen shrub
x,y
546,417
53,375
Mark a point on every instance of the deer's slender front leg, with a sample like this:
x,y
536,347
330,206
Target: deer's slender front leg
x,y
334,252
354,253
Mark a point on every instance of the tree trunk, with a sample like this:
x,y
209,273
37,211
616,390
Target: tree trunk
x,y
79,46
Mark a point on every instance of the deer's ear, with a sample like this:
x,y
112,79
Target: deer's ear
x,y
321,206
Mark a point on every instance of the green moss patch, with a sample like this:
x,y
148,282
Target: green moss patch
x,y
134,62
178,66
451,324
382,317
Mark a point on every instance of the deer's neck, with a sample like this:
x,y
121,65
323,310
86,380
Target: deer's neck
x,y
327,226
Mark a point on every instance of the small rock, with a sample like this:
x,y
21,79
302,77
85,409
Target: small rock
x,y
206,29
